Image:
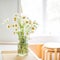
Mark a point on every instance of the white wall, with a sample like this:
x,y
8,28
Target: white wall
x,y
44,39
7,9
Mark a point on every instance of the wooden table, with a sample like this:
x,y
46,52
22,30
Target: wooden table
x,y
12,55
9,52
37,49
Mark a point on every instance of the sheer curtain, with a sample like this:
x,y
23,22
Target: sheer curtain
x,y
34,10
46,13
53,18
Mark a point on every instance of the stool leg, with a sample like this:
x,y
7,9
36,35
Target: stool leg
x,y
55,58
50,56
46,55
59,56
43,54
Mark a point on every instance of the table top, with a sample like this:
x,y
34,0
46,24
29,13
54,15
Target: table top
x,y
13,56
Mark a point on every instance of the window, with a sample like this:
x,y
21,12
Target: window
x,y
53,18
34,10
46,13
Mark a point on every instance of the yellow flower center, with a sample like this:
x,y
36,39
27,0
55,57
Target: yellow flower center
x,y
14,18
23,17
26,21
8,26
15,25
32,28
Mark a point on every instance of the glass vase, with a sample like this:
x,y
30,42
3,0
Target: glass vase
x,y
22,46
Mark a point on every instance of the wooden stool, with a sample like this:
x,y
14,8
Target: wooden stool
x,y
49,49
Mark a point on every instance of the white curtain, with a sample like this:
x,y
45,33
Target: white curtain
x,y
46,12
53,18
34,10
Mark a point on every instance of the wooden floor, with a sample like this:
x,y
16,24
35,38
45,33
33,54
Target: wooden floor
x,y
37,49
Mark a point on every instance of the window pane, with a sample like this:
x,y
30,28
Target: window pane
x,y
33,9
53,17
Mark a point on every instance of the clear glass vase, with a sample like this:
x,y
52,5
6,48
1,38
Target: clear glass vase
x,y
23,46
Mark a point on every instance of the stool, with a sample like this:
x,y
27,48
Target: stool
x,y
49,49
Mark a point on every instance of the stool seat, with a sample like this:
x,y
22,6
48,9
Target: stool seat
x,y
49,49
52,45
